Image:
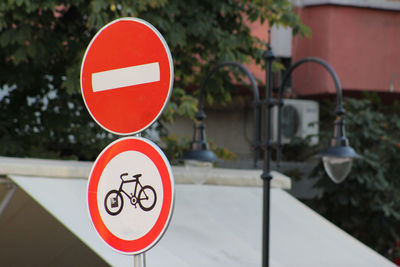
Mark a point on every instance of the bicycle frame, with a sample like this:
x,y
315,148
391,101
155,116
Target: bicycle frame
x,y
139,194
136,179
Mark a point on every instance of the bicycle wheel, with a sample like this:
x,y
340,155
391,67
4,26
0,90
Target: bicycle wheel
x,y
147,198
113,202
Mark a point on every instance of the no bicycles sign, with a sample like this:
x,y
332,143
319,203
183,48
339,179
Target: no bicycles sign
x,y
130,194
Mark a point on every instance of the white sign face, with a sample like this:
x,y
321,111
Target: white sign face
x,y
134,193
130,194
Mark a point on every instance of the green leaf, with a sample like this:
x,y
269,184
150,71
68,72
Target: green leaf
x,y
19,56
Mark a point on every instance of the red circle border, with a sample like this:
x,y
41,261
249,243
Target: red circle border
x,y
157,156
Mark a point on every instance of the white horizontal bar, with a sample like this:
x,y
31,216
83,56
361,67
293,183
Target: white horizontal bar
x,y
116,78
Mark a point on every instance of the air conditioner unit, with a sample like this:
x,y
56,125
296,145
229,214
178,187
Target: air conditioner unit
x,y
299,119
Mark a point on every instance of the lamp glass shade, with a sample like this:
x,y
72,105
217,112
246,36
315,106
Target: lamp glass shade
x,y
337,168
200,155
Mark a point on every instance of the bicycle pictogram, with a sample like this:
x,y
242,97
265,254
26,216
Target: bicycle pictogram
x,y
145,196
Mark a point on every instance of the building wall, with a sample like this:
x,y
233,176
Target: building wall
x,y
231,129
361,44
281,44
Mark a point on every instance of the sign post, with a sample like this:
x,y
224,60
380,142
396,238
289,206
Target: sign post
x,y
126,81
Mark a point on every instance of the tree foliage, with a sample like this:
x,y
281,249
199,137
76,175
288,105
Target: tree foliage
x,y
367,203
42,44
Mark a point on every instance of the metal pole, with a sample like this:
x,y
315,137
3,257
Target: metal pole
x,y
139,260
267,176
266,220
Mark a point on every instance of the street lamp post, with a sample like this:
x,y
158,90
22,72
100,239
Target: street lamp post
x,y
337,158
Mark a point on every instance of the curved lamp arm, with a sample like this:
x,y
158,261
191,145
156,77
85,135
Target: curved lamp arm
x,y
200,149
214,70
323,63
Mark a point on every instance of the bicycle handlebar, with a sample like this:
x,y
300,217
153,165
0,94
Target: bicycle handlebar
x,y
126,174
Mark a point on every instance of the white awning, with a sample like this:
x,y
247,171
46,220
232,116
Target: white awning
x,y
215,225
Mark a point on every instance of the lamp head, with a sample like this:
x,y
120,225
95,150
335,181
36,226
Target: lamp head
x,y
200,155
338,158
200,149
338,161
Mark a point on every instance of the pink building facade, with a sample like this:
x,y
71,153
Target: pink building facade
x,y
359,39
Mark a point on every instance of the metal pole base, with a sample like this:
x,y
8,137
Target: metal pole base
x,y
139,260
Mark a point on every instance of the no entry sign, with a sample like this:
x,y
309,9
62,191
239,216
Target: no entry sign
x,y
126,76
130,194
